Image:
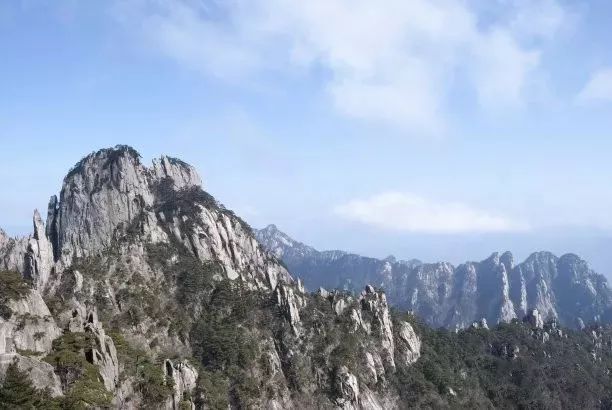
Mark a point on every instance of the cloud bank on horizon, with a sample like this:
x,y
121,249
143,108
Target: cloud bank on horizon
x,y
407,212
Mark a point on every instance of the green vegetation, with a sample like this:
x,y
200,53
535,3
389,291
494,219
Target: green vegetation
x,y
113,154
93,268
17,392
186,201
80,378
225,340
507,367
335,344
192,277
150,380
220,337
177,161
128,356
12,287
83,383
212,390
152,384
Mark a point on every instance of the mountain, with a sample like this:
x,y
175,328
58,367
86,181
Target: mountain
x,y
496,289
141,291
328,269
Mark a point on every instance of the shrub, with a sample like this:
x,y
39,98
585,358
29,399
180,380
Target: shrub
x,y
152,384
68,356
185,201
220,338
212,390
12,287
17,391
80,379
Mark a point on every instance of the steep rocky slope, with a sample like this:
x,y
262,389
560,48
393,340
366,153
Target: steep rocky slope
x,y
142,291
495,289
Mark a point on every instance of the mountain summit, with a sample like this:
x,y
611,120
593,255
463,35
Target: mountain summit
x,y
110,195
142,291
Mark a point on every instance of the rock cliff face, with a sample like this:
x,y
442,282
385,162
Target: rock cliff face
x,y
142,291
495,289
30,327
27,331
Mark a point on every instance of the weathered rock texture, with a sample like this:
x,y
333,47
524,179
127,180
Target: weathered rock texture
x,y
138,275
30,327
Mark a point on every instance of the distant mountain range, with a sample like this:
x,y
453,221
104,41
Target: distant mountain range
x,y
496,289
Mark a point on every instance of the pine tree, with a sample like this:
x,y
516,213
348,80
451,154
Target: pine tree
x,y
17,391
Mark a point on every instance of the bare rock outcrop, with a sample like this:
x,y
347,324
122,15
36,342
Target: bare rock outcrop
x,y
110,195
347,389
289,303
408,345
180,173
376,304
534,318
30,328
32,255
103,354
184,378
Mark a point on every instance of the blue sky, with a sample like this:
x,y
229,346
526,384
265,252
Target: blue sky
x,y
435,129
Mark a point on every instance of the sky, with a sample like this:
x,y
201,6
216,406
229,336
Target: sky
x,y
429,129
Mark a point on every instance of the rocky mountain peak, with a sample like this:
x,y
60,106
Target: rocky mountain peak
x,y
108,189
280,244
542,258
111,195
181,173
573,266
507,259
270,229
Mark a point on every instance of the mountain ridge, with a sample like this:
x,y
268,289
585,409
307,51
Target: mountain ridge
x,y
496,289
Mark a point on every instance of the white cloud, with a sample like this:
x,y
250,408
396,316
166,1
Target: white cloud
x,y
412,213
190,33
599,87
389,61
